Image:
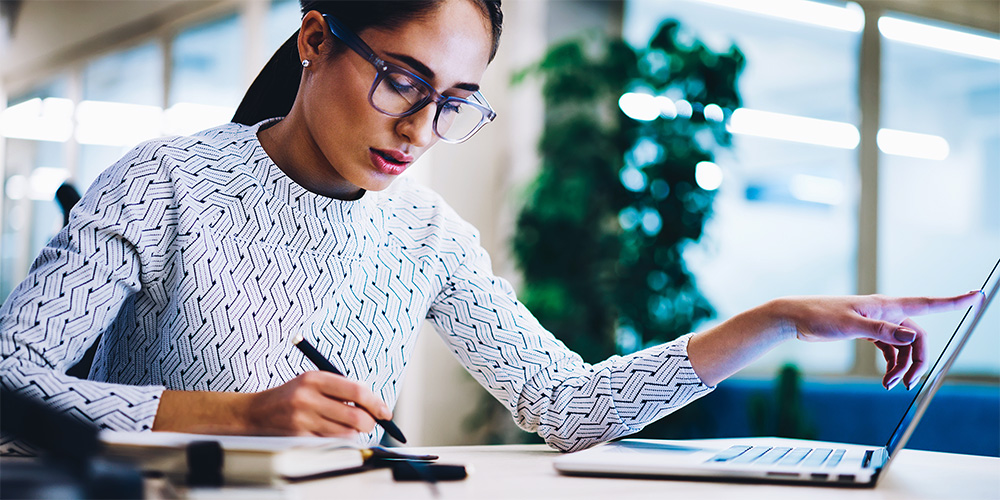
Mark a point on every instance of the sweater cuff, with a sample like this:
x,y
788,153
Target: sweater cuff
x,y
681,345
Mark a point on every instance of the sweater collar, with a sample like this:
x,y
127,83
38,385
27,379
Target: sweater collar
x,y
283,188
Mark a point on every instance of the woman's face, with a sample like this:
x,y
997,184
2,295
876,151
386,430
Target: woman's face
x,y
363,147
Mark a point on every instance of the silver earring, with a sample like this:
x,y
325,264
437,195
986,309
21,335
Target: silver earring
x,y
305,63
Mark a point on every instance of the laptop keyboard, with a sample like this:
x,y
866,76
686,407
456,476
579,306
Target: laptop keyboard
x,y
781,456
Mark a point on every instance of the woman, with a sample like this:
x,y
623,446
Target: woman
x,y
197,259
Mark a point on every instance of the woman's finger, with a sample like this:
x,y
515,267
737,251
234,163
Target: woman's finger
x,y
322,427
893,376
335,413
320,410
883,331
918,355
918,306
344,389
889,353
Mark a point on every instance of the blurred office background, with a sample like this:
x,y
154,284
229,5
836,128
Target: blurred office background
x,y
866,157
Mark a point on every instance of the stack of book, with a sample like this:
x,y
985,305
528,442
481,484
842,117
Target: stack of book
x,y
237,459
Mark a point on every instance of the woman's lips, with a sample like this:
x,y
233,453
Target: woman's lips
x,y
389,162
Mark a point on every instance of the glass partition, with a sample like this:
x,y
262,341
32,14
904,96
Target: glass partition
x,y
123,92
283,19
785,220
939,177
36,125
206,76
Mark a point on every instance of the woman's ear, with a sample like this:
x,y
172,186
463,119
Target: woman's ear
x,y
313,34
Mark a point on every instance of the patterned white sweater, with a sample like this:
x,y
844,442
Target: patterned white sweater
x,y
196,259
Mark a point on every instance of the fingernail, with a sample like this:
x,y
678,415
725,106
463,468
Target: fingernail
x,y
893,383
887,383
909,385
904,334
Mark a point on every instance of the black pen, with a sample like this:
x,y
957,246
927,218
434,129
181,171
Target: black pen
x,y
325,365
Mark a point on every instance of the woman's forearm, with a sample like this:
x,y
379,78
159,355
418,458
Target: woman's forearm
x,y
202,412
723,350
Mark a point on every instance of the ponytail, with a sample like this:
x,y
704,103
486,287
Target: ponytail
x,y
273,92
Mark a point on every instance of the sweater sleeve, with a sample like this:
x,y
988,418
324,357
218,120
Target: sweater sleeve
x,y
73,292
548,388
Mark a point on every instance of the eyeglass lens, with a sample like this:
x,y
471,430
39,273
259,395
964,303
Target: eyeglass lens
x,y
398,93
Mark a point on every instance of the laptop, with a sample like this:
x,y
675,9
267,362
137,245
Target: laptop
x,y
771,459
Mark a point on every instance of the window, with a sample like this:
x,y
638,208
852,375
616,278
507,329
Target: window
x,y
35,167
785,220
939,209
283,19
787,212
207,64
122,101
206,76
123,91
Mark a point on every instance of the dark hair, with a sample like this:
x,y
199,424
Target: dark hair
x,y
273,92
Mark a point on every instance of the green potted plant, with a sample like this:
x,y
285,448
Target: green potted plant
x,y
601,235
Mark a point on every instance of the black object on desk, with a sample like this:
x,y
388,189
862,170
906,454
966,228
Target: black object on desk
x,y
380,456
324,364
205,460
68,466
417,471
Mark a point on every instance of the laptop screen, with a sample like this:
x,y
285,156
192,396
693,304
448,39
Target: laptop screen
x,y
935,376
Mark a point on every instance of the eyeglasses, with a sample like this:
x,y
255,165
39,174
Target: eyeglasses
x,y
398,92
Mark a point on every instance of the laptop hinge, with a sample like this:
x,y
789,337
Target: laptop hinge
x,y
875,458
868,459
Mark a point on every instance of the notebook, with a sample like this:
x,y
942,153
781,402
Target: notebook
x,y
778,459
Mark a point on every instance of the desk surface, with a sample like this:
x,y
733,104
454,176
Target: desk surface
x,y
525,471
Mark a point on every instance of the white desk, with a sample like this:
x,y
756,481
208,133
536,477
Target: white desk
x,y
525,471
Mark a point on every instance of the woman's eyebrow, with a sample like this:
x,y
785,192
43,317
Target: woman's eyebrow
x,y
426,72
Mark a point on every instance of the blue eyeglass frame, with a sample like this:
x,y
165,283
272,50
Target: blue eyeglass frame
x,y
382,68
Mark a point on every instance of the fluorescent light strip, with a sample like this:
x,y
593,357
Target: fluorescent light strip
x,y
794,128
106,123
834,134
850,17
912,144
116,123
49,119
938,38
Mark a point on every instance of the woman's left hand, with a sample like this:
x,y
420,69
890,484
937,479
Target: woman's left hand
x,y
883,320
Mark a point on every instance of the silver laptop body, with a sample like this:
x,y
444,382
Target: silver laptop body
x,y
777,459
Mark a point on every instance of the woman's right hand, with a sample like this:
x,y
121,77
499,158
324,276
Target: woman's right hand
x,y
315,403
